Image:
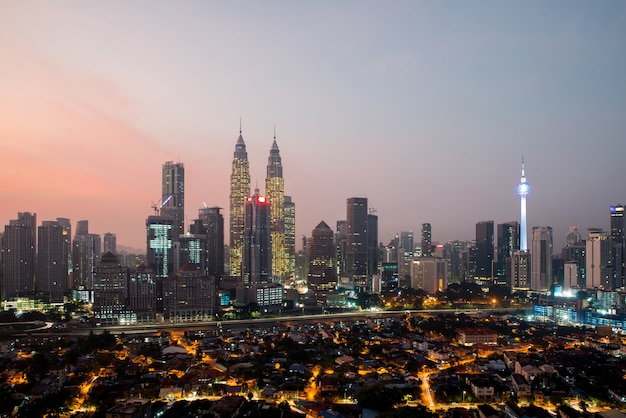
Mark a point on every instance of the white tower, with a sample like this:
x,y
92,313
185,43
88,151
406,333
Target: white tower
x,y
522,191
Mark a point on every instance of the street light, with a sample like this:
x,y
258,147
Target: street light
x,y
463,396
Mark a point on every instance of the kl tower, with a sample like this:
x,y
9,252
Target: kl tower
x,y
522,190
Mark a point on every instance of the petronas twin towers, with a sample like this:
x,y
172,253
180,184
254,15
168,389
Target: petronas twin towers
x,y
281,217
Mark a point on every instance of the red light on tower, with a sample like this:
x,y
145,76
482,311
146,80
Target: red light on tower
x,y
261,199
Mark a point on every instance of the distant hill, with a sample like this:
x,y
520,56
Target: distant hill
x,y
130,250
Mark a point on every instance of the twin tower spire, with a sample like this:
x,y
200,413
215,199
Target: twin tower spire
x,y
282,252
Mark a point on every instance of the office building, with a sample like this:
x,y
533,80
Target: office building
x,y
173,195
19,256
275,194
86,251
429,274
239,193
52,279
341,242
109,289
599,274
256,266
290,235
109,242
373,256
519,270
541,258
212,223
357,243
618,247
427,242
484,252
507,242
188,295
322,273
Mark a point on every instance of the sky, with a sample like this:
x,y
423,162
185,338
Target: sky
x,y
424,107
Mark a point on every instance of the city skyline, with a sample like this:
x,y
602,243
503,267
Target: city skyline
x,y
423,109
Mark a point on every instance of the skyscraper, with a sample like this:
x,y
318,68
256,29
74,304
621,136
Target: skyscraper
x,y
484,250
541,258
110,243
239,193
618,246
275,193
372,243
86,250
598,260
426,240
290,235
522,189
19,255
322,274
52,277
173,195
160,244
256,267
213,227
356,238
508,241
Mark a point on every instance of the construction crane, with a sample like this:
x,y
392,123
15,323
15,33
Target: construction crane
x,y
158,207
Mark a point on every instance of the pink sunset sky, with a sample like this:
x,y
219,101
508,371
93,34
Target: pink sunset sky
x,y
423,108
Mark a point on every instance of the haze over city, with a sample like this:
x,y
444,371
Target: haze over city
x,y
425,108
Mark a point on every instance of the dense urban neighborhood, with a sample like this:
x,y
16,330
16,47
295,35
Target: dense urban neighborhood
x,y
484,364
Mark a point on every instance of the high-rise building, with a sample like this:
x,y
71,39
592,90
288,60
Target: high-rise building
x,y
52,277
110,243
322,274
109,289
212,223
484,251
341,242
142,292
160,244
19,256
599,274
256,267
357,242
405,249
428,274
67,235
372,244
190,249
173,195
519,270
86,250
275,193
188,295
290,235
508,241
239,193
618,239
522,189
541,258
427,241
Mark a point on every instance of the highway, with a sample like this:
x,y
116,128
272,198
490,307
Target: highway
x,y
238,324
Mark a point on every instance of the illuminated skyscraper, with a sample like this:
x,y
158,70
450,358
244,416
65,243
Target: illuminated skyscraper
x,y
275,193
173,195
290,235
160,252
19,255
239,193
52,257
86,251
599,275
508,241
522,190
212,223
426,240
110,243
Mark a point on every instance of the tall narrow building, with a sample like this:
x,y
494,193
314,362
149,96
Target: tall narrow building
x,y
507,242
213,227
599,274
275,193
426,240
239,193
290,235
86,251
19,256
356,238
173,195
541,258
322,274
256,267
52,277
618,246
484,251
